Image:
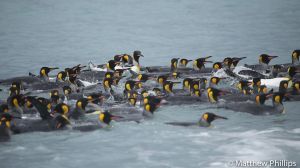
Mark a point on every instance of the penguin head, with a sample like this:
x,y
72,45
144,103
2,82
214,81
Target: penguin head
x,y
67,90
137,55
168,86
161,79
217,65
150,107
256,82
236,60
213,94
157,91
132,101
200,62
265,59
5,120
296,86
107,83
144,93
106,117
295,56
125,58
17,85
176,75
215,80
143,77
111,64
186,82
194,84
54,92
283,85
96,98
61,76
82,103
228,62
118,58
3,108
184,62
44,71
174,62
108,74
292,71
62,108
210,117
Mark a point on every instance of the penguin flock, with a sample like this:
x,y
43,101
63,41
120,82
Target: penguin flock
x,y
89,97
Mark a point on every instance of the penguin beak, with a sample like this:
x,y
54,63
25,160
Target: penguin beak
x,y
271,57
207,57
115,117
221,117
141,55
51,69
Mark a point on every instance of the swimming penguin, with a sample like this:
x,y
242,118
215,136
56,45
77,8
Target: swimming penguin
x,y
111,64
232,62
5,127
265,59
205,120
200,63
183,62
105,118
258,107
217,66
61,76
295,57
131,85
79,110
214,81
213,94
293,71
44,73
174,63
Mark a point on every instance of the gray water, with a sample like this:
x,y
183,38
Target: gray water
x,y
36,33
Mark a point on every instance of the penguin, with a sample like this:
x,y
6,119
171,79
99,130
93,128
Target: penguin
x,y
44,73
174,64
256,83
111,64
79,111
258,107
5,127
105,119
295,57
265,59
61,76
205,120
200,63
183,62
217,66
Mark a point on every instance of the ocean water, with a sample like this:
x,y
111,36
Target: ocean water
x,y
36,33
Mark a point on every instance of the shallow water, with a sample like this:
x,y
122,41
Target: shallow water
x,y
37,33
